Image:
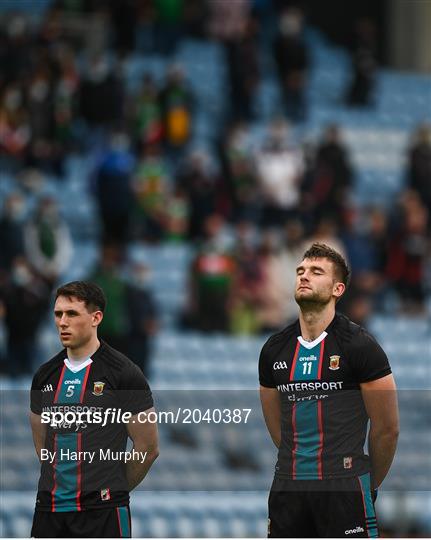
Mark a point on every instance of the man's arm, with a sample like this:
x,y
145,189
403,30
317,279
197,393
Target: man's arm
x,y
38,431
145,439
380,398
270,400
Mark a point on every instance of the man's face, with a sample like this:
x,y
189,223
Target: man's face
x,y
316,283
76,326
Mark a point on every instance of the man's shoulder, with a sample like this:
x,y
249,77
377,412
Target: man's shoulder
x,y
119,363
351,336
51,366
279,339
114,358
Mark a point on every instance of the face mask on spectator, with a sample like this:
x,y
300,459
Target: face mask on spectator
x,y
15,211
290,24
21,276
140,278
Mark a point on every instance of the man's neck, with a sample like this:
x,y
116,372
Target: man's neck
x,y
84,352
313,321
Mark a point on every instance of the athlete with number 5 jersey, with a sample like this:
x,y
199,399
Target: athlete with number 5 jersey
x,y
322,379
85,477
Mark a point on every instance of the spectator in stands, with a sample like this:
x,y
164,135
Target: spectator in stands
x,y
247,281
113,187
40,102
12,231
243,69
176,100
48,242
330,177
271,309
177,215
364,63
147,114
66,101
25,301
408,250
101,94
419,173
377,236
141,315
114,327
227,20
365,238
198,180
279,166
151,185
15,130
327,232
211,280
291,56
236,155
16,61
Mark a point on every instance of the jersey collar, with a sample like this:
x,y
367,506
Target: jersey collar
x,y
311,344
76,368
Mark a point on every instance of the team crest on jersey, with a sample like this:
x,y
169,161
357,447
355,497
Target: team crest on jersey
x,y
98,388
105,494
334,362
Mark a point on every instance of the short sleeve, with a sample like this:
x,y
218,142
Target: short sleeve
x,y
369,359
134,392
36,394
265,369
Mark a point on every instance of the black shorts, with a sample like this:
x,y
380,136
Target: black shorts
x,y
104,523
341,508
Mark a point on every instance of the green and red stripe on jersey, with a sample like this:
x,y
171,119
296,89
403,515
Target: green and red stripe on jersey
x,y
307,415
367,501
123,519
67,477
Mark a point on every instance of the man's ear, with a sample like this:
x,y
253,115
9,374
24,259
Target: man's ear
x,y
338,289
97,318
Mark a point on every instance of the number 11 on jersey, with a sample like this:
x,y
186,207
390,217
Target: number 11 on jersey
x,y
306,368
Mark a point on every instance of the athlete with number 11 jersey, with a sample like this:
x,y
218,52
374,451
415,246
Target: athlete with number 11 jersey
x,y
322,379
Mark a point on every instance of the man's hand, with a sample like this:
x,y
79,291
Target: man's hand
x,y
145,439
271,407
380,398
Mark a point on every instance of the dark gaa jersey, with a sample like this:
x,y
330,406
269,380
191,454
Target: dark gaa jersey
x,y
323,417
85,466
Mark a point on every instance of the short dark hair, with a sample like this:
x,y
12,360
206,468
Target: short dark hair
x,y
89,293
318,250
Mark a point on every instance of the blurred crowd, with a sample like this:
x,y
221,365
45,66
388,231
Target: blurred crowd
x,y
249,208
